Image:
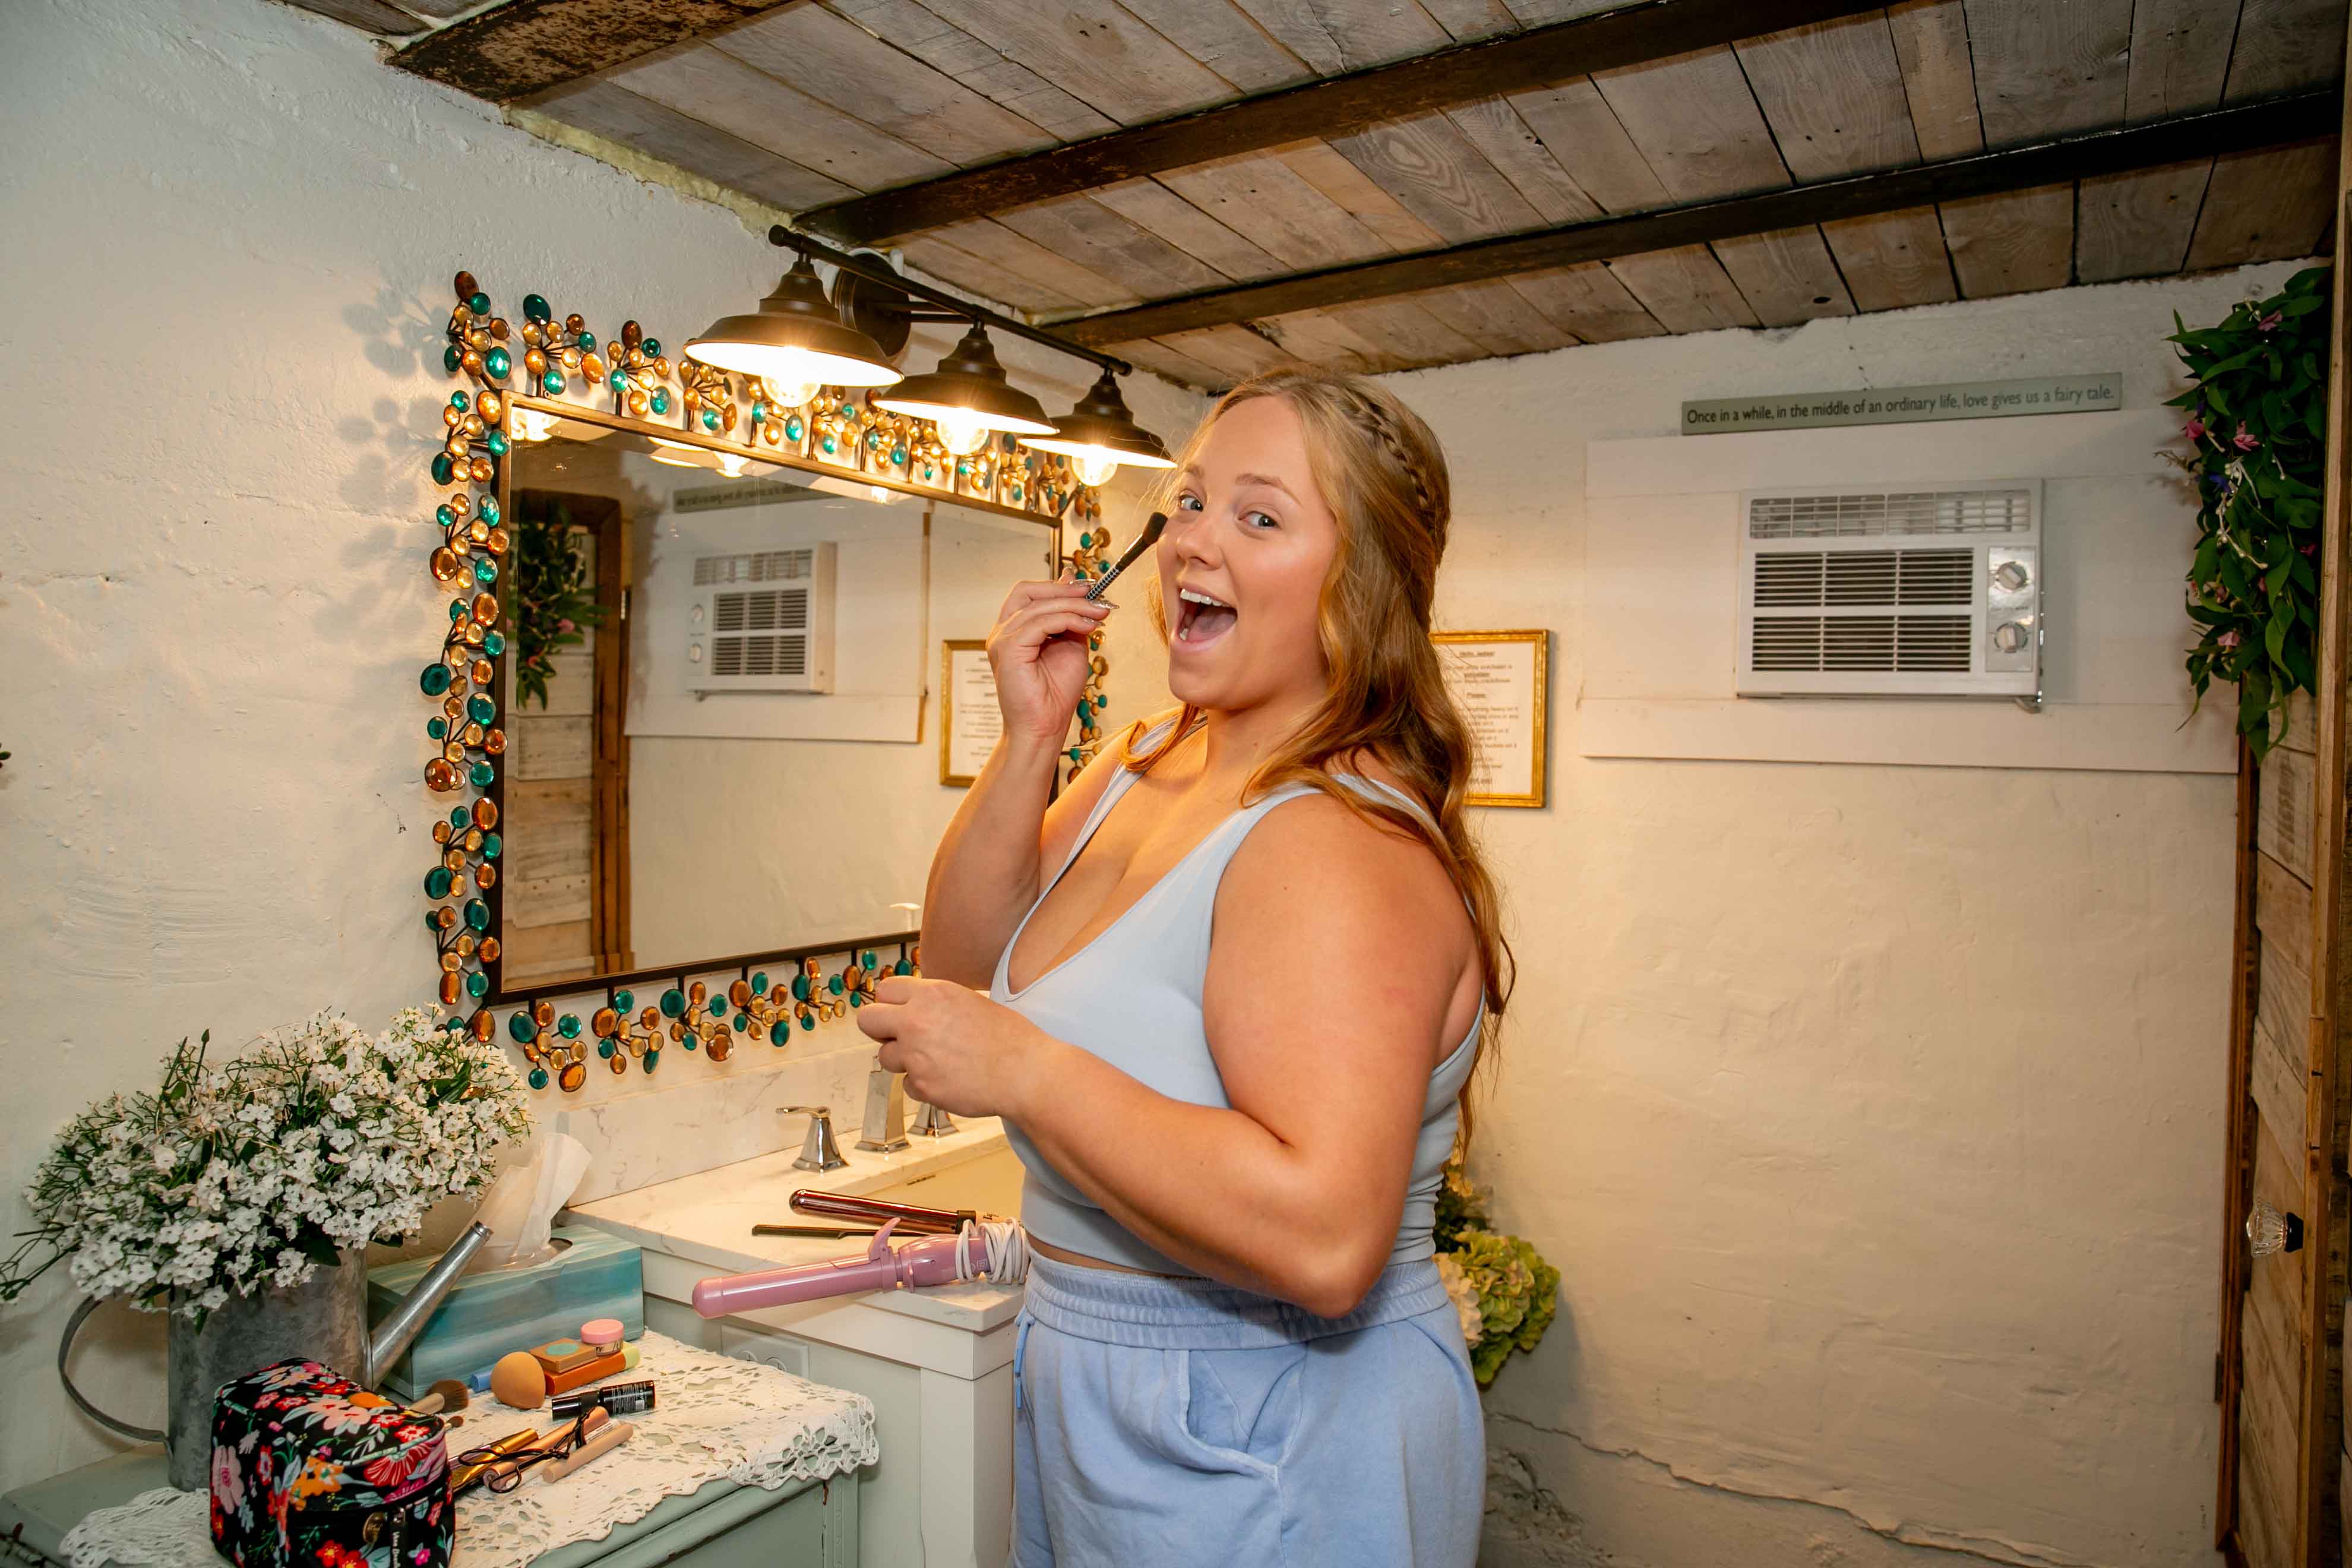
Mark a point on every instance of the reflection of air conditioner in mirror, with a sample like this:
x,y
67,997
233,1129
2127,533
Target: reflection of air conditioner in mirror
x,y
762,622
1933,592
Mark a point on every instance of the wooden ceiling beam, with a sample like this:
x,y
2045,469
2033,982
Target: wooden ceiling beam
x,y
2302,118
527,46
1334,105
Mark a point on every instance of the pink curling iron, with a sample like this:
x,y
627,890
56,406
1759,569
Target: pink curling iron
x,y
996,1249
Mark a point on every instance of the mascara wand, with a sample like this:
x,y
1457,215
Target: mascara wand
x,y
1143,542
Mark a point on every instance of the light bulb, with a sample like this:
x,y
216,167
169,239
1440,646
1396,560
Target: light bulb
x,y
1095,465
793,393
962,433
536,426
733,464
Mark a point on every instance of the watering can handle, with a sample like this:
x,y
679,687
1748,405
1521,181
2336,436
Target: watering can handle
x,y
64,1348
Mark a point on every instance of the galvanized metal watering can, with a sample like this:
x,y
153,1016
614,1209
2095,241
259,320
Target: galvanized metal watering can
x,y
324,1318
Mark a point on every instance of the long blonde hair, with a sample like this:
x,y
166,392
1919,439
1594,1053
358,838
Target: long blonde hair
x,y
1383,476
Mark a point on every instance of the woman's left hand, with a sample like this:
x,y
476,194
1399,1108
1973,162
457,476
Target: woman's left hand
x,y
960,1052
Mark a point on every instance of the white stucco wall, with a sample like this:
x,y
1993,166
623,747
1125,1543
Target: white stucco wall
x,y
231,232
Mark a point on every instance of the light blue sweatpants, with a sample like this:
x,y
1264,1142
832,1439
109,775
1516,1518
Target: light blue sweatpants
x,y
1180,1421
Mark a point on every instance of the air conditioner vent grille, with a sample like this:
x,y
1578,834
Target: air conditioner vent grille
x,y
760,655
1862,644
764,610
760,566
1891,511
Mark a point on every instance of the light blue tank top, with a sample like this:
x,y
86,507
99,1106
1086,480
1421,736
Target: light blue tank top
x,y
1132,997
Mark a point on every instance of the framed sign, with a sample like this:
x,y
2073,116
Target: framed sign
x,y
1498,680
969,719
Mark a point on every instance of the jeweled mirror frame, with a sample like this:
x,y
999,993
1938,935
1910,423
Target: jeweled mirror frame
x,y
557,366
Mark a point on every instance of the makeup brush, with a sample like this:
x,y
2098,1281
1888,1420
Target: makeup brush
x,y
448,1394
1143,542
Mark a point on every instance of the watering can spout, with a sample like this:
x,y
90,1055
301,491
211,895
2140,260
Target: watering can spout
x,y
405,1322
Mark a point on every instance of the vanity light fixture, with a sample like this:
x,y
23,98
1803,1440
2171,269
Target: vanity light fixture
x,y
967,397
795,342
533,426
675,454
1099,435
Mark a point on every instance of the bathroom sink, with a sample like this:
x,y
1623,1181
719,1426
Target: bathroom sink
x,y
990,1184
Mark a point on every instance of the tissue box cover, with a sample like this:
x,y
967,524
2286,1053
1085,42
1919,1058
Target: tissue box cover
x,y
310,1470
598,1275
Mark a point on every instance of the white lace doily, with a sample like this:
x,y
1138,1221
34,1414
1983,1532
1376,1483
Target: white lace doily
x,y
750,1424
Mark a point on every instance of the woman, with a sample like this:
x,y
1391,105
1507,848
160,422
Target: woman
x,y
1229,1028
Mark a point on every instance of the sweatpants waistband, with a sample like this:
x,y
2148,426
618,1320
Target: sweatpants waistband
x,y
1122,1309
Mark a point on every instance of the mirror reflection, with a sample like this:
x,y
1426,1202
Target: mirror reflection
x,y
723,726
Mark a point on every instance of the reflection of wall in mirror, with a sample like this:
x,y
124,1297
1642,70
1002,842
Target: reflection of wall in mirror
x,y
746,843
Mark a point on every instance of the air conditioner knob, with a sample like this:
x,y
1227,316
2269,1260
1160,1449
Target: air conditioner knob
x,y
2010,575
2011,636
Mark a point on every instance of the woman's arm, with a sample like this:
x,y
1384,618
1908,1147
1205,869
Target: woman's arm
x,y
1332,970
984,873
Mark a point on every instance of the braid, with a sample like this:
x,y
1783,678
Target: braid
x,y
1376,417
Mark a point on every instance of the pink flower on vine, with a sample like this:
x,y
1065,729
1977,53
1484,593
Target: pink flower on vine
x,y
2246,442
565,625
2194,429
2268,322
2227,639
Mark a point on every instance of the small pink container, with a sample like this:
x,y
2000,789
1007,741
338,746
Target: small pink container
x,y
602,1334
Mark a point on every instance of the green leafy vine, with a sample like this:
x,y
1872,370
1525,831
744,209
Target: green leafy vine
x,y
553,596
2257,435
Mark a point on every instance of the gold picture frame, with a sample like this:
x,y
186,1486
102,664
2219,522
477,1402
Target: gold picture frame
x,y
950,712
1533,696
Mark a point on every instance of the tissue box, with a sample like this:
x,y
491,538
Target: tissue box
x,y
487,1315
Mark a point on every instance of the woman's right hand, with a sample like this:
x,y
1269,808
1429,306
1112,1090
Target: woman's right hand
x,y
1038,650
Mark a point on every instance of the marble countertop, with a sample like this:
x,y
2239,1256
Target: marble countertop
x,y
707,1219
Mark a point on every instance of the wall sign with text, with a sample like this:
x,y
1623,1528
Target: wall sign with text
x,y
1499,681
970,720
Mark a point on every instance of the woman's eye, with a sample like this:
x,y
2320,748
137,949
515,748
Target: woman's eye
x,y
1255,518
1188,503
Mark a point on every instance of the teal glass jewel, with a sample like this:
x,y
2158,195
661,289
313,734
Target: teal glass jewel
x,y
758,411
653,347
760,984
518,1024
856,1000
710,419
451,359
534,307
691,1040
866,961
477,985
568,1025
792,428
930,472
437,881
587,341
1014,490
492,846
444,470
491,510
833,984
497,442
436,727
622,1001
849,411
445,516
539,1078
498,361
477,914
486,571
480,709
617,380
672,1002
605,1049
743,1023
800,987
458,816
433,679
661,401
478,302
904,967
809,1022
552,383
827,444
652,1058
494,643
460,402
898,456
780,1031
483,775
963,469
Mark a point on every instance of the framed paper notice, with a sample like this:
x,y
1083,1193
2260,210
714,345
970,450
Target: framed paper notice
x,y
1496,678
969,719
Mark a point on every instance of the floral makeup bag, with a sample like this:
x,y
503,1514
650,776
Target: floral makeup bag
x,y
311,1470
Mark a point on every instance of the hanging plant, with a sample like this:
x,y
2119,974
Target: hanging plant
x,y
553,597
2257,436
1504,1291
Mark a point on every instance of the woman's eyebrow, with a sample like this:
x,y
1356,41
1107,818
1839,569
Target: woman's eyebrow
x,y
1266,479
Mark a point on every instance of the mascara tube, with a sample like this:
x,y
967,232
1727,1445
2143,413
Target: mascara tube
x,y
620,1398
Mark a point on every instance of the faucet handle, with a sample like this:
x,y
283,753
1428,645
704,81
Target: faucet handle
x,y
818,1150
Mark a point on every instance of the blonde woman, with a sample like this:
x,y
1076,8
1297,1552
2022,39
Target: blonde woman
x,y
1227,991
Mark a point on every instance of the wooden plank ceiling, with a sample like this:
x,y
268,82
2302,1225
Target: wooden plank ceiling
x,y
808,106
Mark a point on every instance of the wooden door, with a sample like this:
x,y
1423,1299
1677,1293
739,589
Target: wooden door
x,y
2286,1472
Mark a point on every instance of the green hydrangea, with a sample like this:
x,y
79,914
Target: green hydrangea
x,y
1516,1293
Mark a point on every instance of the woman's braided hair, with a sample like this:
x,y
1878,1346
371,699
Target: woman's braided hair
x,y
1383,476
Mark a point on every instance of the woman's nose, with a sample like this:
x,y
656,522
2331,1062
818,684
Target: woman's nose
x,y
1185,539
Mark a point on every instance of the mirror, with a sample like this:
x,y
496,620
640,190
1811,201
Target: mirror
x,y
721,698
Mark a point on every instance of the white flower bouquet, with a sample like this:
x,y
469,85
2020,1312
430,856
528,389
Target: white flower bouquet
x,y
236,1177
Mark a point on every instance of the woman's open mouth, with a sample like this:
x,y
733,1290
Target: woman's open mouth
x,y
1200,618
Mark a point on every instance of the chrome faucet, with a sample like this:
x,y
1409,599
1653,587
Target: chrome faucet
x,y
818,1150
933,1121
885,1128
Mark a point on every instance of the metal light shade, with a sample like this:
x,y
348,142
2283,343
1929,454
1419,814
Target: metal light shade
x,y
796,336
968,388
1102,428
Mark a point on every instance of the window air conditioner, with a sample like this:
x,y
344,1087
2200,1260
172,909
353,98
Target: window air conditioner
x,y
762,622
